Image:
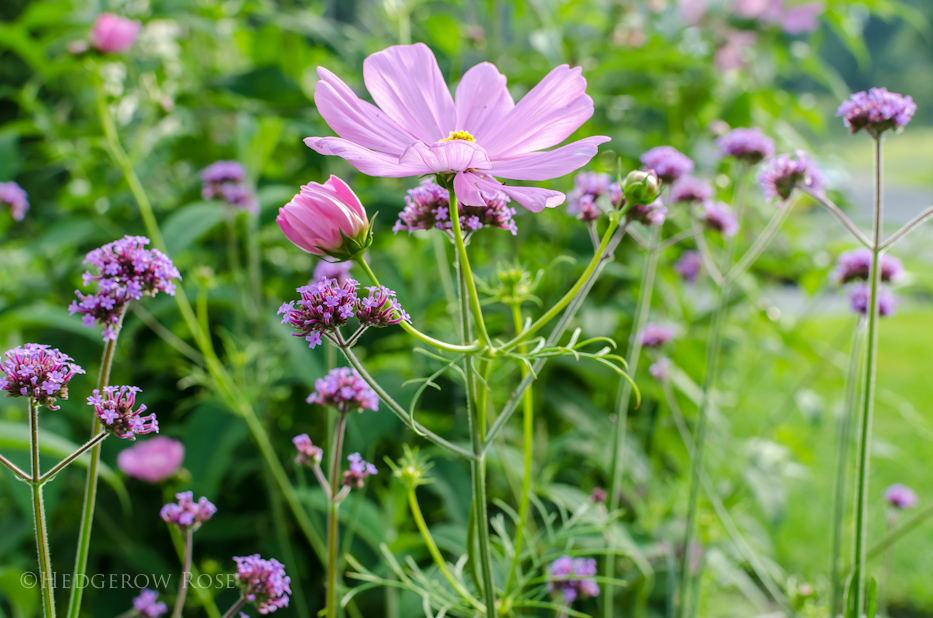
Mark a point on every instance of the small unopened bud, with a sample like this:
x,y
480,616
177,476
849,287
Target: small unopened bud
x,y
641,188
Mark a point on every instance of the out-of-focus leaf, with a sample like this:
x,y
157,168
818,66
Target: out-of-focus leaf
x,y
9,155
189,223
49,316
266,84
444,31
23,599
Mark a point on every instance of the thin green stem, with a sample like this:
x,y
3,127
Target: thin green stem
x,y
185,574
624,393
887,567
15,469
860,543
38,511
464,269
235,608
895,534
92,443
332,517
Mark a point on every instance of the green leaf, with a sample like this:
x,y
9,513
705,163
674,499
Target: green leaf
x,y
872,599
23,600
189,223
444,31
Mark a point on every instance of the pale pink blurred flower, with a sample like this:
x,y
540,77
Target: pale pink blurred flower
x,y
321,216
152,461
112,34
692,11
751,9
802,18
732,54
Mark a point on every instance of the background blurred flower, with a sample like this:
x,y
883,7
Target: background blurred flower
x,y
14,196
153,460
112,34
749,145
344,390
186,513
900,496
148,604
860,295
783,173
855,265
572,577
667,162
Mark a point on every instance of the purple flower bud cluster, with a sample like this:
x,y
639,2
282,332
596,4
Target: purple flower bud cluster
x,y
748,145
187,513
784,172
598,495
855,265
660,370
688,189
148,605
344,390
688,266
667,162
39,372
877,111
588,187
719,217
332,270
860,296
900,496
307,452
115,411
127,272
656,335
14,196
427,206
263,582
226,181
380,308
649,214
358,472
572,577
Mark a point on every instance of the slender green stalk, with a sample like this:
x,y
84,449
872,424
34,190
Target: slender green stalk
x,y
624,393
860,543
38,511
236,607
15,469
332,517
233,263
888,566
464,270
93,442
185,574
842,465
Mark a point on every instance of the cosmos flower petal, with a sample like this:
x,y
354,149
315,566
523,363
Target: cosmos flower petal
x,y
482,100
532,198
550,164
367,161
453,156
467,189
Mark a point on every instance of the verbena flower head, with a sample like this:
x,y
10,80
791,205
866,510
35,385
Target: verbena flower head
x,y
688,266
327,220
325,269
572,577
855,265
112,34
14,196
877,111
900,496
153,460
588,187
416,128
186,513
688,189
427,206
598,495
650,214
784,172
656,335
344,390
226,181
667,162
719,217
358,472
860,295
660,370
380,308
39,372
324,306
307,452
148,605
263,582
749,145
116,413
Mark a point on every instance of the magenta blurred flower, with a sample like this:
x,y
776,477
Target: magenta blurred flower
x,y
14,196
599,495
719,217
263,582
749,145
358,472
226,181
419,129
802,18
186,513
860,295
689,189
733,53
856,265
325,269
344,390
154,460
39,372
307,452
148,605
667,162
900,496
660,370
688,266
116,413
656,335
783,173
112,34
588,187
572,577
326,219
876,111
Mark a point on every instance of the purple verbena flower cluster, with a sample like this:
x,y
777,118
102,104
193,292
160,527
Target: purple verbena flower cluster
x,y
649,214
656,335
116,413
877,111
187,513
572,577
690,189
588,187
688,266
719,217
784,172
900,496
380,308
226,181
14,196
359,470
325,269
344,390
307,452
128,270
427,206
263,582
855,265
147,604
748,145
39,372
667,162
860,295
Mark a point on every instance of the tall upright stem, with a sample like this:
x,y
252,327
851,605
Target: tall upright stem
x,y
90,484
465,273
185,574
332,520
38,511
860,544
623,396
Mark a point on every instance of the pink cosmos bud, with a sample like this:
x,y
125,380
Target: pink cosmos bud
x,y
112,34
154,460
327,219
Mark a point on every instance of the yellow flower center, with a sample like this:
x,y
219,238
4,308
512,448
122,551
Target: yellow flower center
x,y
464,135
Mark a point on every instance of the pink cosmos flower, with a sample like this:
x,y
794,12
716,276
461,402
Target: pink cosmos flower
x,y
152,461
316,217
419,129
112,34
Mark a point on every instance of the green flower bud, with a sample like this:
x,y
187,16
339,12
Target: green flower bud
x,y
641,188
